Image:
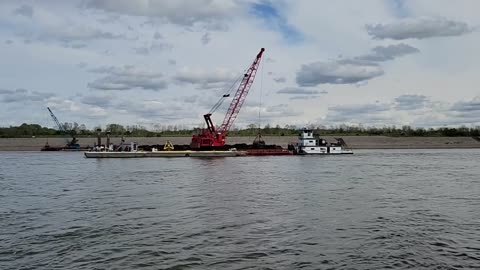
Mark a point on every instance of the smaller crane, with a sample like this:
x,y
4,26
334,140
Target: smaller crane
x,y
71,144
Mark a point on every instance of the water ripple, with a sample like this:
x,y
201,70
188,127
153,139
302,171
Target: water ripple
x,y
385,210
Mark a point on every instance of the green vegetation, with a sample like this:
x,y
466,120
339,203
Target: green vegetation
x,y
29,130
26,130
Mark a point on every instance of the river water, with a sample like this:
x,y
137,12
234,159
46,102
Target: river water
x,y
382,209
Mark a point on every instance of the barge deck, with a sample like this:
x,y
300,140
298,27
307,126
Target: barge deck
x,y
164,154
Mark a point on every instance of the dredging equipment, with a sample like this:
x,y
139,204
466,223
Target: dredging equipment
x,y
213,137
71,144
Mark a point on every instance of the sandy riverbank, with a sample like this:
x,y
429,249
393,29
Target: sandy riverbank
x,y
355,142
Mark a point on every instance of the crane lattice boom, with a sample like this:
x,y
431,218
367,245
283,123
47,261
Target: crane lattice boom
x,y
241,94
60,126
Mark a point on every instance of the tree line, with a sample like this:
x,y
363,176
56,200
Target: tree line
x,y
80,130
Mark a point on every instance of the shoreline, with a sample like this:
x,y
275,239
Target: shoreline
x,y
354,142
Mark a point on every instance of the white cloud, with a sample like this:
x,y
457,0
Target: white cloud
x,y
409,109
390,52
77,108
23,95
127,78
411,102
418,28
24,10
336,72
181,12
40,23
206,38
204,79
157,45
299,91
471,106
280,79
268,114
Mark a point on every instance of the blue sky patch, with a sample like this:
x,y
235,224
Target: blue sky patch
x,y
275,21
399,8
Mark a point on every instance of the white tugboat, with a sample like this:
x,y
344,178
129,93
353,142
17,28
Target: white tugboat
x,y
310,144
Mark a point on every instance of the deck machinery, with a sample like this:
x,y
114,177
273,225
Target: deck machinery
x,y
211,137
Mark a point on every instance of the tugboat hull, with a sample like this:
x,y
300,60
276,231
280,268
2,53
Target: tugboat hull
x,y
344,152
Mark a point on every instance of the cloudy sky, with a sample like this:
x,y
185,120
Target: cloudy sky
x,y
370,62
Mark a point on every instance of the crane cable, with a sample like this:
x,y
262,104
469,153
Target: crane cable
x,y
230,90
224,96
232,87
262,67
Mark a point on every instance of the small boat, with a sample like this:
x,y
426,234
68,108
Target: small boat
x,y
311,144
67,147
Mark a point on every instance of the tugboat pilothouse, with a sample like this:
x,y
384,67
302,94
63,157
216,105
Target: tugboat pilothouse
x,y
310,144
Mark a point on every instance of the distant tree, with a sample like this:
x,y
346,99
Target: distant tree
x,y
115,129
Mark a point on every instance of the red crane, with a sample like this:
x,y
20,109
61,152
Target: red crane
x,y
212,137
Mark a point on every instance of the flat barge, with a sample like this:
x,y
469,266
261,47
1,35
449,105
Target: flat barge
x,y
308,144
147,154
